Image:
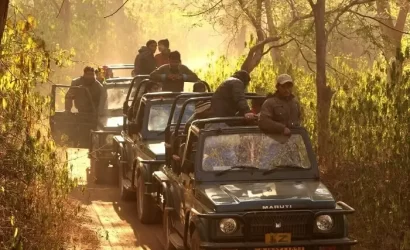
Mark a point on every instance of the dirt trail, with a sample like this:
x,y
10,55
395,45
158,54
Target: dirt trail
x,y
114,220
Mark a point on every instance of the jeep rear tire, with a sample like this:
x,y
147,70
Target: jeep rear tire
x,y
166,226
146,209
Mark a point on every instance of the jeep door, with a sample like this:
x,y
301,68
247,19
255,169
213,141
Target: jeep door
x,y
71,128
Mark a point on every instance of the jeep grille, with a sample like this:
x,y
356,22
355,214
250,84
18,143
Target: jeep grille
x,y
299,224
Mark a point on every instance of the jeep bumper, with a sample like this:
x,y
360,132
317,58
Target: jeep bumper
x,y
337,244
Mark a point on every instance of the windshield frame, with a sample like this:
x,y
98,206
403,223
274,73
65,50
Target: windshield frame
x,y
255,175
153,135
112,85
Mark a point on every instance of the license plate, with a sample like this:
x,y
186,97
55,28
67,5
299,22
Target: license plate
x,y
278,238
281,248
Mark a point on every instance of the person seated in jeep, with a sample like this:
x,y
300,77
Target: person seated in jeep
x,y
174,74
81,97
281,110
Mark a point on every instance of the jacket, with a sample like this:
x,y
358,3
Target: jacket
x,y
160,75
81,98
144,62
278,112
162,58
229,98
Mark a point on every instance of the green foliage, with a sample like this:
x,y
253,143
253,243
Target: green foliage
x,y
36,212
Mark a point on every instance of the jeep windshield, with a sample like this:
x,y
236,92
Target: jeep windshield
x,y
256,150
113,98
160,112
116,97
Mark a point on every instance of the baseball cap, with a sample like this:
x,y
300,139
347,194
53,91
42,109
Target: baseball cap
x,y
284,78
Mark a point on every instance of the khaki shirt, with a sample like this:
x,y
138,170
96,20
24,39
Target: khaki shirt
x,y
279,112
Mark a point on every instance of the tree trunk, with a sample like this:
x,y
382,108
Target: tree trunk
x,y
324,93
4,6
65,17
392,35
275,52
240,40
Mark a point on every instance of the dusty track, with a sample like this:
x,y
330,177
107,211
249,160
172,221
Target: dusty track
x,y
114,220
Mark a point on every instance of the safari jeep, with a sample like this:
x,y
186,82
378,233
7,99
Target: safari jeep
x,y
238,188
140,150
109,124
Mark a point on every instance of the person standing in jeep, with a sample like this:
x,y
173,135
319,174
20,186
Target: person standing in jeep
x,y
281,110
162,57
174,74
144,62
80,96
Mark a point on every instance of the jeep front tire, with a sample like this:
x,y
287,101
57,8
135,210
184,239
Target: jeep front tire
x,y
146,209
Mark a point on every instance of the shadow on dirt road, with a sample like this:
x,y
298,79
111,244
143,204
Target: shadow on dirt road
x,y
114,220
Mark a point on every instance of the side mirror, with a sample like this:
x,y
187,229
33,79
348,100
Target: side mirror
x,y
125,108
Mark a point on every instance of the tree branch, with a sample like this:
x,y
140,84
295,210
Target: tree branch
x,y
255,54
310,15
205,11
308,62
277,46
343,10
117,9
61,7
377,20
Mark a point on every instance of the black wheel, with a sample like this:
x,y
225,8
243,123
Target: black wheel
x,y
146,208
196,241
166,226
125,194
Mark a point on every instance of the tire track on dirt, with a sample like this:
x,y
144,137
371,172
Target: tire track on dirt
x,y
115,221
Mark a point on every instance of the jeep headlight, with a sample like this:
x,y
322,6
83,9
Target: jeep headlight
x,y
324,223
228,225
109,139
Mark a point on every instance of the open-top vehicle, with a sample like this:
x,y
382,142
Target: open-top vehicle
x,y
110,123
235,187
118,70
142,138
103,122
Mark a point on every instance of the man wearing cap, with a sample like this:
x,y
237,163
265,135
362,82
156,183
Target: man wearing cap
x,y
229,97
281,110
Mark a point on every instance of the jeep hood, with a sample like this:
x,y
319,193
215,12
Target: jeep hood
x,y
111,122
272,195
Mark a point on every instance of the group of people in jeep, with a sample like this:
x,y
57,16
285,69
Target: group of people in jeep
x,y
165,67
277,114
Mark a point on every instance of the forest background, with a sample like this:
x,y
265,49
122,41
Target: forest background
x,y
349,59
